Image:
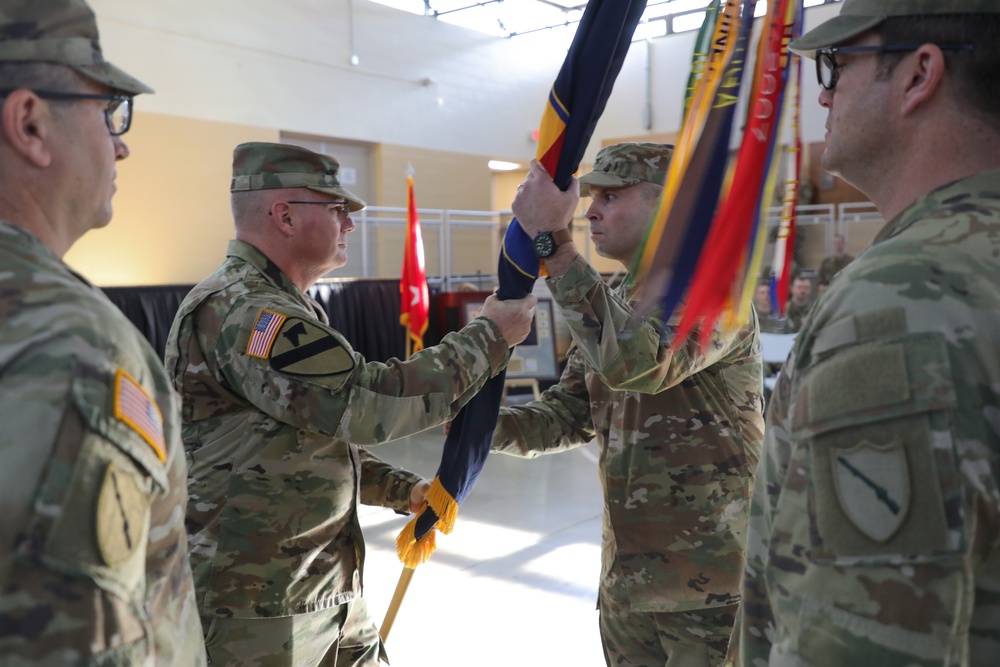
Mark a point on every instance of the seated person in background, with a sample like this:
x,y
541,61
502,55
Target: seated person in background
x,y
798,304
770,322
835,263
820,288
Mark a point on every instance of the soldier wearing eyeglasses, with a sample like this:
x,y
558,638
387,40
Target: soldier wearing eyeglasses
x,y
93,552
875,526
277,408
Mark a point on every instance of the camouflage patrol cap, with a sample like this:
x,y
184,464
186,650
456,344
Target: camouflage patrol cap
x,y
62,32
627,164
258,165
859,16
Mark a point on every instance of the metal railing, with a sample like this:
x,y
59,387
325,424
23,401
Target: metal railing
x,y
463,246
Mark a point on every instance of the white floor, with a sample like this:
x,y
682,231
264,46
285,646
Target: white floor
x,y
514,584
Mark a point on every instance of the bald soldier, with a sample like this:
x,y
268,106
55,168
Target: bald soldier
x,y
875,528
679,431
93,554
276,409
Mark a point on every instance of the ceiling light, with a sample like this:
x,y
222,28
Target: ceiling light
x,y
500,165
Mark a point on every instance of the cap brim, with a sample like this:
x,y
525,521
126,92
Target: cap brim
x,y
837,30
354,203
603,180
113,77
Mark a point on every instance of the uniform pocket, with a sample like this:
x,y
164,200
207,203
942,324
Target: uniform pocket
x,y
884,484
91,510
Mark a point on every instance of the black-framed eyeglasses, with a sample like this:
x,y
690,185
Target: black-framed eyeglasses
x,y
340,208
117,114
828,69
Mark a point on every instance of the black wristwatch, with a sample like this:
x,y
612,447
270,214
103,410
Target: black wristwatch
x,y
545,243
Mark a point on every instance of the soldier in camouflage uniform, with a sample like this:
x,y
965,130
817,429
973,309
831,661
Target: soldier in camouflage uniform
x,y
276,406
798,304
875,525
835,263
93,553
679,433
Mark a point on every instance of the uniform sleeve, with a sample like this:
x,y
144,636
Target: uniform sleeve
x,y
754,629
629,357
558,421
384,485
301,372
99,566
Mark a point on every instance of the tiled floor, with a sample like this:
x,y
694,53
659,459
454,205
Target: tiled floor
x,y
515,583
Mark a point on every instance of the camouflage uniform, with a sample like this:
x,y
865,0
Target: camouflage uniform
x,y
679,436
94,563
93,553
874,529
795,315
831,266
275,404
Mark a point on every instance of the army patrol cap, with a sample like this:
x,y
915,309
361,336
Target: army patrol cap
x,y
258,165
62,32
859,16
627,164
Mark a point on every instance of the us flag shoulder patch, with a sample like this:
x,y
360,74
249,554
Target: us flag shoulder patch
x,y
134,407
264,331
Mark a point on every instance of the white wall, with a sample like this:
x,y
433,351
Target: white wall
x,y
285,65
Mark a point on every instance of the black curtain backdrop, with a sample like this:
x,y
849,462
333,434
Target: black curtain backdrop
x,y
366,312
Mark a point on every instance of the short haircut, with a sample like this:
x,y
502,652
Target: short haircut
x,y
39,76
976,73
249,205
650,190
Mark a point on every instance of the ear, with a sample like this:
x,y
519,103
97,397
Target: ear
x,y
282,218
924,76
27,125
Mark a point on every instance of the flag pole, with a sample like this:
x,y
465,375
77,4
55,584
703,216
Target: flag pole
x,y
397,600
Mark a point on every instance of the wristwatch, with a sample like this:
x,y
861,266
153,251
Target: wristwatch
x,y
545,243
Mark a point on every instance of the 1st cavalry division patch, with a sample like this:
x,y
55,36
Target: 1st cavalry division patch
x,y
303,348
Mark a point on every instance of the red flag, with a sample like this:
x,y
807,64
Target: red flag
x,y
414,298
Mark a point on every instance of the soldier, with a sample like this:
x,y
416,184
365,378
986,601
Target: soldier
x,y
769,321
93,554
679,433
275,404
835,263
875,527
798,305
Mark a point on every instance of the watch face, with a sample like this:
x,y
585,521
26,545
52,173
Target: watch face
x,y
544,245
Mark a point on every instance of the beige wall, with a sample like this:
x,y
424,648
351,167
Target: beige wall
x,y
441,179
171,212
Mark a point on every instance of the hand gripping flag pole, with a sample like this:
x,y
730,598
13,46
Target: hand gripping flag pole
x,y
575,103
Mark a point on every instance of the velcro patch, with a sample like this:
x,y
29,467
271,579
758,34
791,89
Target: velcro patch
x,y
134,407
303,348
121,516
264,330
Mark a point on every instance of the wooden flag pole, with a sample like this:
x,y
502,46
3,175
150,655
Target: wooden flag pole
x,y
397,600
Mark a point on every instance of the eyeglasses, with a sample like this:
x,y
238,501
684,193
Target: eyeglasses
x,y
828,69
339,208
117,115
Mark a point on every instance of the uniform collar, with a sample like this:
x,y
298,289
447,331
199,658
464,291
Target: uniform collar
x,y
253,256
984,184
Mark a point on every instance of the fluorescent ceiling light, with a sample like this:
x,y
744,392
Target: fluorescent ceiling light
x,y
500,165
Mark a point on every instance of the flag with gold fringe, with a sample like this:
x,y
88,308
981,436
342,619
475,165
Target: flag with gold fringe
x,y
575,103
719,260
414,306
